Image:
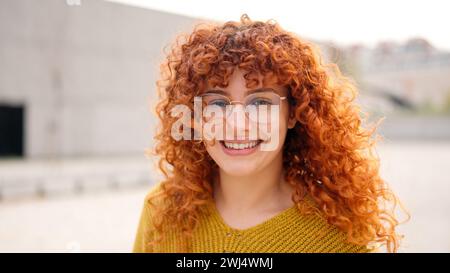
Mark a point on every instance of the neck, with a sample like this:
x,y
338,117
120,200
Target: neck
x,y
264,190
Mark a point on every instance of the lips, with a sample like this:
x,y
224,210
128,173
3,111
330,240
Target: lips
x,y
240,147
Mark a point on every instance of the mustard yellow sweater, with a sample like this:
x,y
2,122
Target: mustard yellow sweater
x,y
288,231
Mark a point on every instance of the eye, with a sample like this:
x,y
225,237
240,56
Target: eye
x,y
219,102
260,101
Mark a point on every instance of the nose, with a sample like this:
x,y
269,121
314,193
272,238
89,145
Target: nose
x,y
237,123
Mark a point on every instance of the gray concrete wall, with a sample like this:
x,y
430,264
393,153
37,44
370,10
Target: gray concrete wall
x,y
433,128
418,85
84,73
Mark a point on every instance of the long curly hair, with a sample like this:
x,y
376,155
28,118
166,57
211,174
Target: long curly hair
x,y
328,154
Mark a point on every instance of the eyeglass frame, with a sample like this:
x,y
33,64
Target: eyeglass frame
x,y
234,102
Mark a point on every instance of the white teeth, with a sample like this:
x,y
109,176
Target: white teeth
x,y
240,146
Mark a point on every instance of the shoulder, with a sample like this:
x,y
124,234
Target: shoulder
x,y
154,190
145,231
152,198
155,197
324,236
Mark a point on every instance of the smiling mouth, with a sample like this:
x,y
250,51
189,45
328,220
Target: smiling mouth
x,y
240,147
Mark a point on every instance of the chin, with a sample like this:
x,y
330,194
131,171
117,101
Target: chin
x,y
238,168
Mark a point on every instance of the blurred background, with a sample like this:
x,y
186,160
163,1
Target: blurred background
x,y
77,81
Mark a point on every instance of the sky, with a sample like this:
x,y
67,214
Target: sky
x,y
344,22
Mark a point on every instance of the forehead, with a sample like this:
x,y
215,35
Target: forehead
x,y
232,93
282,91
238,84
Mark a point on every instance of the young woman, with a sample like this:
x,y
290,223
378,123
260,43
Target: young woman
x,y
315,188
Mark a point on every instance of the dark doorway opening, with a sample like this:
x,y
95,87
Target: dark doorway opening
x,y
11,130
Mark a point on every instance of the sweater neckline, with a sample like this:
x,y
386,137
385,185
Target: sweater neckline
x,y
280,217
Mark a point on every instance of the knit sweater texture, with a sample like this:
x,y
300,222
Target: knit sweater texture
x,y
287,231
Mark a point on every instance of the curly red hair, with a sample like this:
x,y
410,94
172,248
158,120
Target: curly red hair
x,y
328,154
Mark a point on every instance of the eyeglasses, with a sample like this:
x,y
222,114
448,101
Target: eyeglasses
x,y
255,105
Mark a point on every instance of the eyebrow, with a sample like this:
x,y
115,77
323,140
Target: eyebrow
x,y
248,92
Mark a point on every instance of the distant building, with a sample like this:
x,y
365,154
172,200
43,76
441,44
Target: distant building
x,y
414,71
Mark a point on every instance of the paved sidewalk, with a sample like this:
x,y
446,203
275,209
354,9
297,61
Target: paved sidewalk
x,y
93,222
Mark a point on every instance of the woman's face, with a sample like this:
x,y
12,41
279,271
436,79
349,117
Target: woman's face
x,y
243,153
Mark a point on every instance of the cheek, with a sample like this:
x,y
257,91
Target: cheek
x,y
284,125
278,134
215,151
